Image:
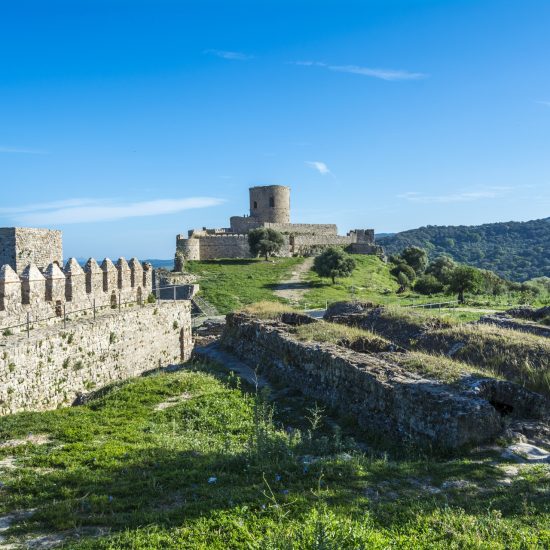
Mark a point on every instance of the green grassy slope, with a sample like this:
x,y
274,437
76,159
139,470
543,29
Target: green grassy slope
x,y
232,284
216,470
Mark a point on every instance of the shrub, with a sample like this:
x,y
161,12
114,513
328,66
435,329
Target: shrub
x,y
428,284
334,262
265,242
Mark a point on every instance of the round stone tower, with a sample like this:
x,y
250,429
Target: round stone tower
x,y
270,203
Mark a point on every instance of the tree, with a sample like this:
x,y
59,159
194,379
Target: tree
x,y
265,241
334,262
416,257
441,268
464,279
404,282
428,284
404,268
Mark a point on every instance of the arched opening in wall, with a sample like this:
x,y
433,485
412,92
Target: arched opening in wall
x,y
255,205
139,296
58,308
272,202
113,300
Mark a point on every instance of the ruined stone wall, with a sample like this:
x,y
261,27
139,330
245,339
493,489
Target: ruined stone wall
x,y
37,295
310,245
381,395
228,246
304,228
21,246
55,365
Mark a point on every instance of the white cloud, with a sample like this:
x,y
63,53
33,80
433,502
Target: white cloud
x,y
233,56
466,196
383,74
22,150
321,167
546,103
90,211
48,206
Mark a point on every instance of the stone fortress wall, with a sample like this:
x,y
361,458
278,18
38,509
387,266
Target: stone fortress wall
x,y
56,365
38,295
21,246
54,348
270,208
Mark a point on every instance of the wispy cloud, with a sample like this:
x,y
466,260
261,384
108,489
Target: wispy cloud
x,y
22,150
233,56
546,103
465,196
383,74
321,167
100,210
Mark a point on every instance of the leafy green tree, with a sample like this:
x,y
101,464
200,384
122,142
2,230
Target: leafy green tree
x,y
464,279
416,257
428,284
404,282
441,268
265,242
332,263
403,268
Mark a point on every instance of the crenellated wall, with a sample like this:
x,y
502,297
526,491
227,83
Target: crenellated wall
x,y
39,295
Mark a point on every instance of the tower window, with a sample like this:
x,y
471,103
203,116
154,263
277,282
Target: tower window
x,y
255,204
272,202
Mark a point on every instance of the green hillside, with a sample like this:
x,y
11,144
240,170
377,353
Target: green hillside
x,y
515,250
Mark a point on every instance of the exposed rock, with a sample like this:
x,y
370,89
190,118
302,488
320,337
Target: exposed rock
x,y
345,308
502,321
382,396
526,453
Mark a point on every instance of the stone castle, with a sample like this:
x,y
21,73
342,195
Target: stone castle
x,y
34,283
270,208
67,330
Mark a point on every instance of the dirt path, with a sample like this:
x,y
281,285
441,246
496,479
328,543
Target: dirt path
x,y
294,288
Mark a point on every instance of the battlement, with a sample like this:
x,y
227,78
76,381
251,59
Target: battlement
x,y
270,209
46,294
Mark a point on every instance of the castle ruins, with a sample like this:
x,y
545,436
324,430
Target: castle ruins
x,y
270,208
34,283
66,330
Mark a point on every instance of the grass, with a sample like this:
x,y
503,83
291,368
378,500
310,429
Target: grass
x,y
437,367
231,284
268,310
518,356
220,469
521,357
341,335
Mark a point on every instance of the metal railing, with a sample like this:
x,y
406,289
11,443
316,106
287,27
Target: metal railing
x,y
64,316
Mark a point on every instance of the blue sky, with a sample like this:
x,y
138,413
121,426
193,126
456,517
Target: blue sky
x,y
124,123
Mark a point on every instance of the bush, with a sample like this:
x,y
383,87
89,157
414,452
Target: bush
x,y
428,284
404,268
265,242
334,262
151,299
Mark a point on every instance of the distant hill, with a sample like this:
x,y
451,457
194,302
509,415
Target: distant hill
x,y
516,250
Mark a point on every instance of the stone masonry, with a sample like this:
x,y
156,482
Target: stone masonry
x,y
270,208
21,246
56,365
383,397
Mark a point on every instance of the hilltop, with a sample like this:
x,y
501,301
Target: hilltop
x,y
515,250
